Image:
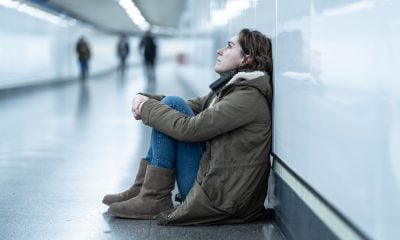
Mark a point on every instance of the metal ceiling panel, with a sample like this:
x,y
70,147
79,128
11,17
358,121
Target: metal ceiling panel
x,y
106,14
163,13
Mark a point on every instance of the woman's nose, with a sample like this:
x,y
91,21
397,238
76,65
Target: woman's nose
x,y
219,51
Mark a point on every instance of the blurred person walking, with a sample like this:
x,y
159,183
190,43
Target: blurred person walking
x,y
122,51
83,51
148,49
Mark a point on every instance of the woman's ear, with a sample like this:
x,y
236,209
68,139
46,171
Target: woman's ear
x,y
247,59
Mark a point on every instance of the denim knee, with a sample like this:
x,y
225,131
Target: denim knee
x,y
178,104
173,101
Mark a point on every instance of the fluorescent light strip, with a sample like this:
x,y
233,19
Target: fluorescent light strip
x,y
134,14
35,12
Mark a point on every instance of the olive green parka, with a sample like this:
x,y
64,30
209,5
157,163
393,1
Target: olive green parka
x,y
232,180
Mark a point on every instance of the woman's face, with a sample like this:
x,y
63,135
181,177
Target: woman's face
x,y
229,57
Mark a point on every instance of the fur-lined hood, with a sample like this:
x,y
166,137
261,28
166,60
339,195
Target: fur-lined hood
x,y
257,79
246,76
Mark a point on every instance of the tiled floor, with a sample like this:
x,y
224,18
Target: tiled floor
x,y
63,147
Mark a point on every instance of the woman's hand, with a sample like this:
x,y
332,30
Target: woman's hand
x,y
137,104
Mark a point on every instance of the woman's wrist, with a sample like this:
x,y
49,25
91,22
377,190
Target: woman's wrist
x,y
141,106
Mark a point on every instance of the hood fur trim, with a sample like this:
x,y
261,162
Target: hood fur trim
x,y
246,76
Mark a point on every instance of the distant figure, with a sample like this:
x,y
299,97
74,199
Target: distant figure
x,y
122,51
83,51
148,48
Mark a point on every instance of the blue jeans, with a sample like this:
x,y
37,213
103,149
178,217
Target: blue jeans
x,y
167,152
84,68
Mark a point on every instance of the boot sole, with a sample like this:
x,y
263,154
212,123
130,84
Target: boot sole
x,y
108,203
132,216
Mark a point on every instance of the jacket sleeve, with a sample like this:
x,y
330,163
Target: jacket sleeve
x,y
153,96
196,104
232,111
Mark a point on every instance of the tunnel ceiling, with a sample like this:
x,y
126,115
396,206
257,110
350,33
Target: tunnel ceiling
x,y
110,16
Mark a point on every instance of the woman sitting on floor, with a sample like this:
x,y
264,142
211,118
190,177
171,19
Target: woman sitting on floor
x,y
216,147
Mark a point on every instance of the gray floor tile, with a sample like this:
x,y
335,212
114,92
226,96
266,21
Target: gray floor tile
x,y
63,148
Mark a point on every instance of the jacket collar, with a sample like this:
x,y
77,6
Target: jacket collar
x,y
245,76
231,77
218,84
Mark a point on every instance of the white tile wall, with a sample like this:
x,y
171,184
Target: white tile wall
x,y
34,50
337,98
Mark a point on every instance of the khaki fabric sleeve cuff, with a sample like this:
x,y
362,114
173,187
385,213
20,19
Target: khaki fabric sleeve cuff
x,y
153,96
146,110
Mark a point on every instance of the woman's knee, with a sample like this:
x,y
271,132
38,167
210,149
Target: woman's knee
x,y
173,101
178,104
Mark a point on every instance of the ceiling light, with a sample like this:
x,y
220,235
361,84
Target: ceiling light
x,y
134,14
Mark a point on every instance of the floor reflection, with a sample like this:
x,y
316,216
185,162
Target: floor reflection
x,y
126,229
122,78
83,105
151,87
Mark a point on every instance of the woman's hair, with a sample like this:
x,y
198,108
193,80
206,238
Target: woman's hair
x,y
258,46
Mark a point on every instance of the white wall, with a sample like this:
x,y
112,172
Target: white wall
x,y
33,50
337,115
337,98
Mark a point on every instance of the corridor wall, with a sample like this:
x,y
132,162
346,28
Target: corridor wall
x,y
337,100
33,50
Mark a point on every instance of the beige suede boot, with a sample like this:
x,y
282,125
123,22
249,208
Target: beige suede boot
x,y
133,191
153,198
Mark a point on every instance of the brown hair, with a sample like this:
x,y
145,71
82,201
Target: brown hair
x,y
258,46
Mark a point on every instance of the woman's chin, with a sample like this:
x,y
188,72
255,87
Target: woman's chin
x,y
217,70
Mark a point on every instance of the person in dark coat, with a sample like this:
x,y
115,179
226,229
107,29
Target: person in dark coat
x,y
83,52
122,51
216,146
148,48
